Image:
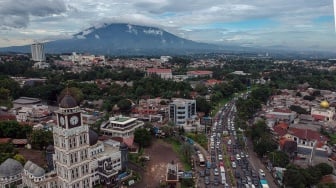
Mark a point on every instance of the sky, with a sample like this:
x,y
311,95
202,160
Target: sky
x,y
297,24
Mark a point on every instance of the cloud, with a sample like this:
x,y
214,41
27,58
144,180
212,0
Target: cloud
x,y
199,20
17,14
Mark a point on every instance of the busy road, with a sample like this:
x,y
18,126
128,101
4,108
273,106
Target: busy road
x,y
227,161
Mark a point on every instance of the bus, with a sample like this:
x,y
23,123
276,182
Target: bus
x,y
201,159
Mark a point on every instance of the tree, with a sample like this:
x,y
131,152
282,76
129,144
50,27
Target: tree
x,y
142,137
40,139
309,98
278,158
264,145
324,168
298,109
202,105
124,105
75,92
20,158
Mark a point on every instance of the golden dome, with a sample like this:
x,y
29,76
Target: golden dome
x,y
324,104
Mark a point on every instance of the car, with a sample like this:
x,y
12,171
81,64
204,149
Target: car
x,y
261,174
232,158
221,163
249,180
207,180
202,173
243,181
237,174
234,165
256,183
226,185
237,156
216,181
216,173
207,172
220,157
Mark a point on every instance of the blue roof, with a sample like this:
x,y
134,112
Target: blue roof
x,y
263,181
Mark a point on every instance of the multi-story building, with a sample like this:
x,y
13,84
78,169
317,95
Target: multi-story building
x,y
121,128
80,160
182,110
34,114
324,112
199,74
37,50
162,73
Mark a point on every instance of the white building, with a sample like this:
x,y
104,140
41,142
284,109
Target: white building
x,y
36,113
121,128
37,50
182,110
80,160
162,73
10,173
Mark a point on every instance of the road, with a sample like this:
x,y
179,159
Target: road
x,y
246,167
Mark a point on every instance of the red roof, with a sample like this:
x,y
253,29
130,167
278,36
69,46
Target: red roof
x,y
279,131
213,82
19,141
7,117
283,125
4,140
307,134
318,117
283,110
282,141
199,72
155,70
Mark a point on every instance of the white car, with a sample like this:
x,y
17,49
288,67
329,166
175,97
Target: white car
x,y
234,165
220,157
261,174
216,173
237,157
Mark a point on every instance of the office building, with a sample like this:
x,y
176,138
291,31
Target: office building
x,y
37,51
181,111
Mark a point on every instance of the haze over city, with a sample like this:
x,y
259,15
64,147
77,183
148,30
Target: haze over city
x,y
301,24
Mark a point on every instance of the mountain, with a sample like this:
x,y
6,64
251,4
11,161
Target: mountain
x,y
122,39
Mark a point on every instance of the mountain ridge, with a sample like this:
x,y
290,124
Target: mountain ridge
x,y
122,39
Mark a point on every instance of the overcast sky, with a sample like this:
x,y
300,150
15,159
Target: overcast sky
x,y
293,23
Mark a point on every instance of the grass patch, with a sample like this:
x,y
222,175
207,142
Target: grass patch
x,y
176,145
200,138
219,105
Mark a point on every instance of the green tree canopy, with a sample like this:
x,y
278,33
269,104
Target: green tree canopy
x,y
40,139
142,137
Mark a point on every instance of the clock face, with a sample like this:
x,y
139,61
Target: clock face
x,y
62,121
74,120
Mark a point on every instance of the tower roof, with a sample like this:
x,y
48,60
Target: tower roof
x,y
93,137
68,102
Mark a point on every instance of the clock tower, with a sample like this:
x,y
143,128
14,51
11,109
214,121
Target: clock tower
x,y
71,143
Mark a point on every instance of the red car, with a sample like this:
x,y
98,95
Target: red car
x,y
221,164
232,158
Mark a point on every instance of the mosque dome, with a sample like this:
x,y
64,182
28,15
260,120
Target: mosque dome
x,y
10,167
324,104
